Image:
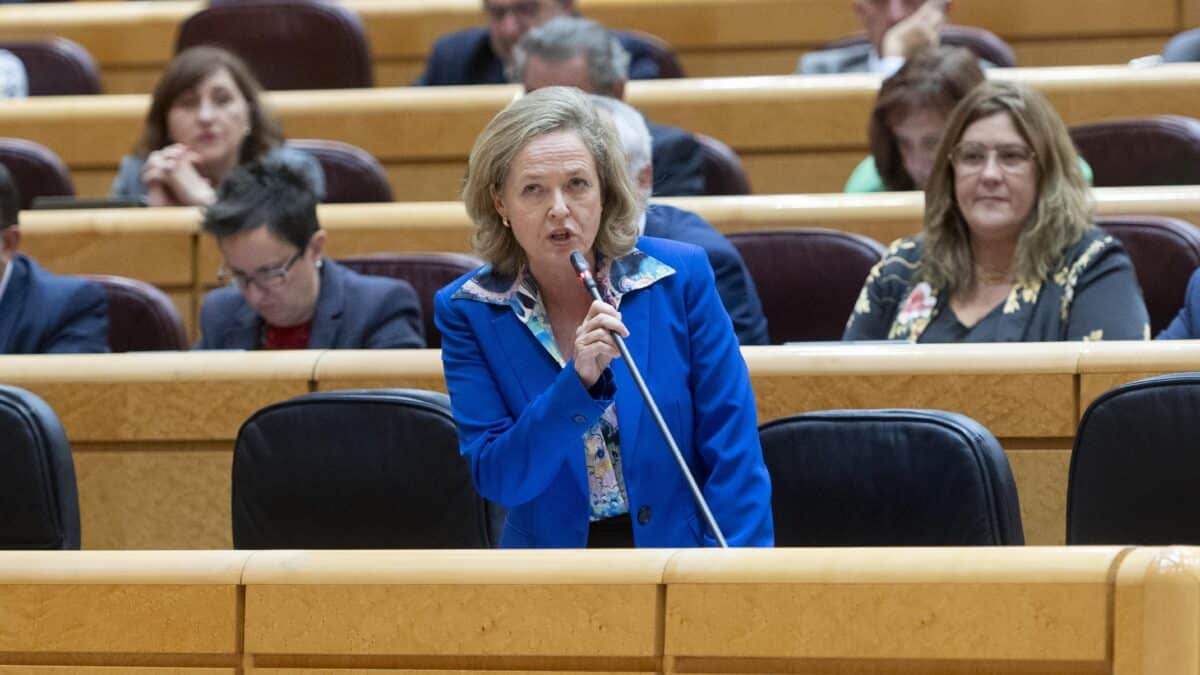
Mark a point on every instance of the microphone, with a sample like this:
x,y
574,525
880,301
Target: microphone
x,y
585,276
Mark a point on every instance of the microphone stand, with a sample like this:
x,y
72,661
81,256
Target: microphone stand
x,y
585,275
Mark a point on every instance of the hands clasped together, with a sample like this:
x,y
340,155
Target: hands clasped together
x,y
595,346
172,178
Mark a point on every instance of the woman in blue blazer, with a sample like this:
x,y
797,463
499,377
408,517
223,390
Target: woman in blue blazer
x,y
548,415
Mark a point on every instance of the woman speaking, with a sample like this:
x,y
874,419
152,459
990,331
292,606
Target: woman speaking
x,y
548,415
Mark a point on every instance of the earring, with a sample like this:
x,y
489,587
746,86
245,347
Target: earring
x,y
506,223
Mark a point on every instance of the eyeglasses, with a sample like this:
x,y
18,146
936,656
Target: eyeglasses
x,y
264,279
969,158
526,10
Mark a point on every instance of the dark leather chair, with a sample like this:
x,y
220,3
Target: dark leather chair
x,y
889,478
427,272
1158,150
1182,48
356,469
1165,252
352,175
985,44
723,170
141,318
36,170
288,44
39,505
1135,466
808,279
662,53
56,66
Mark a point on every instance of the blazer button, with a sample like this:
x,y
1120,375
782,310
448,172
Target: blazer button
x,y
643,515
580,419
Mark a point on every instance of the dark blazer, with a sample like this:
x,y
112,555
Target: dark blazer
x,y
734,283
44,313
1092,295
1186,324
678,162
466,57
521,416
354,311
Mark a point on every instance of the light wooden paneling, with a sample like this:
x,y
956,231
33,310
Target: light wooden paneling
x,y
1103,366
1157,612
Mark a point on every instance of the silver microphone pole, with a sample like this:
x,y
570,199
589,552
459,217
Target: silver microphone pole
x,y
585,275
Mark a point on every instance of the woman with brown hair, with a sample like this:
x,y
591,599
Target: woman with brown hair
x,y
206,117
1008,251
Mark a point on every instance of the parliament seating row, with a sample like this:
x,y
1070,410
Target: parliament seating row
x,y
793,133
133,42
152,434
1013,611
163,246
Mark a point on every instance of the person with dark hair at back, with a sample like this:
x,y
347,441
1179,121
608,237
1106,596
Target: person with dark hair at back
x,y
734,283
40,312
484,55
282,294
207,115
574,52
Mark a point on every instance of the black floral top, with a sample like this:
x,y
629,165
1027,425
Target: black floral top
x,y
1092,295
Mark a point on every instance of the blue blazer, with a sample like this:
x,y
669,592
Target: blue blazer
x,y
734,283
466,57
678,162
354,311
1186,324
521,417
44,313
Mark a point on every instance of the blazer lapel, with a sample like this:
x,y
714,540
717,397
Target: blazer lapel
x,y
635,313
327,317
243,331
12,304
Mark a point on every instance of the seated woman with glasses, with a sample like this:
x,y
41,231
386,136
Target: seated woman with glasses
x,y
1008,252
281,293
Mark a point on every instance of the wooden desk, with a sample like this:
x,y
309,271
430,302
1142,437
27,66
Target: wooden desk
x,y
133,42
794,134
1002,611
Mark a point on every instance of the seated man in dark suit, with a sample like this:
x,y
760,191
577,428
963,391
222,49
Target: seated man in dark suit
x,y
575,52
40,312
734,284
895,29
483,55
283,294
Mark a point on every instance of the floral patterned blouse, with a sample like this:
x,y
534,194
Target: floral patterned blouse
x,y
1092,295
601,443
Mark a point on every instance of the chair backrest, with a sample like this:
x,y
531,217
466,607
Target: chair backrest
x,y
889,478
723,170
141,318
36,170
1165,252
56,66
662,53
1158,150
1134,468
808,279
39,505
289,44
352,175
427,272
983,43
1183,47
356,469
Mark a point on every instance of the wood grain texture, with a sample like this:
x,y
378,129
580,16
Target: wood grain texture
x,y
1041,477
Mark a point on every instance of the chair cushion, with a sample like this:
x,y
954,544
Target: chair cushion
x,y
141,318
56,66
36,170
1158,150
1165,252
889,478
352,175
39,505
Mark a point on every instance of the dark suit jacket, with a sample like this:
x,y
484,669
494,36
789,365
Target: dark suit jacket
x,y
354,311
466,57
44,313
734,284
1186,324
678,162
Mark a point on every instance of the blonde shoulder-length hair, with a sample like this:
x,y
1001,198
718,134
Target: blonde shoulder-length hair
x,y
542,112
1062,209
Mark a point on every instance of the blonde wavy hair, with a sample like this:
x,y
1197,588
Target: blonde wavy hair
x,y
536,114
1062,209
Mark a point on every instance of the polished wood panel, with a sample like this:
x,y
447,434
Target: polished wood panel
x,y
1103,366
796,134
